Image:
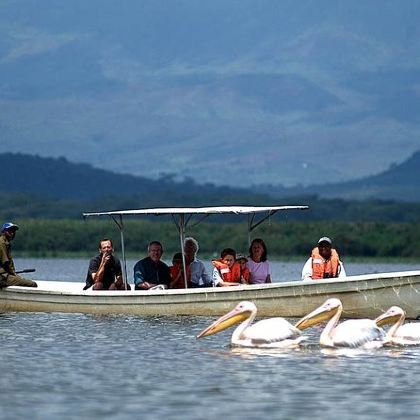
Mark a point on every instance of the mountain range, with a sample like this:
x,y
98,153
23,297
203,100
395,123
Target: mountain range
x,y
401,182
57,178
228,92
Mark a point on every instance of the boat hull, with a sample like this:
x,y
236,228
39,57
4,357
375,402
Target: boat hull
x,y
363,297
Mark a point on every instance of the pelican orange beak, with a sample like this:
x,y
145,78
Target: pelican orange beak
x,y
391,316
320,314
231,318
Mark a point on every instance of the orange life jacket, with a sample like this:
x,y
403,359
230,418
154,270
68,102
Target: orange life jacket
x,y
231,275
175,271
246,274
323,269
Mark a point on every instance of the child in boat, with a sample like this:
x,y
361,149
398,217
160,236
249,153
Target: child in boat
x,y
227,271
177,276
245,274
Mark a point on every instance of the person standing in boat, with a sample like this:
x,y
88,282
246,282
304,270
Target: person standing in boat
x,y
324,262
196,271
104,271
8,276
151,271
258,265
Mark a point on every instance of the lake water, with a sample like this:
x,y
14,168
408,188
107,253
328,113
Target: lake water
x,y
75,269
75,366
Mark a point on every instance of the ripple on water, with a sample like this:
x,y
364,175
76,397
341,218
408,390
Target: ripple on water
x,y
83,366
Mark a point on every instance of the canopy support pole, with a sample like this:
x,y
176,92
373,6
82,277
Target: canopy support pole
x,y
120,225
181,228
269,214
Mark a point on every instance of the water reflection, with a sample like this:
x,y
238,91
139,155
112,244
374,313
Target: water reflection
x,y
277,353
312,350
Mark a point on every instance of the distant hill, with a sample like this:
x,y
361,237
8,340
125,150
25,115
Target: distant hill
x,y
49,188
400,182
57,178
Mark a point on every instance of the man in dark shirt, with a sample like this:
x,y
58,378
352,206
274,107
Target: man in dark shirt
x,y
104,271
151,271
8,276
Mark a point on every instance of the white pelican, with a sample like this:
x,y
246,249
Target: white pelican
x,y
353,333
268,333
400,333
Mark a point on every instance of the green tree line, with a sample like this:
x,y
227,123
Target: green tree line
x,y
30,206
292,238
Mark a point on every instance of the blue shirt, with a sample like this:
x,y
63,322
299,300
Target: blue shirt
x,y
152,272
199,276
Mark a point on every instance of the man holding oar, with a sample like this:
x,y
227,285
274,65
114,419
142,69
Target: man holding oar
x,y
8,275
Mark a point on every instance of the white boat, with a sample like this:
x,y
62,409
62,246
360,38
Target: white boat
x,y
362,296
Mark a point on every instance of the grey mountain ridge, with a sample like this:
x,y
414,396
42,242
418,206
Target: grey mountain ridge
x,y
238,93
59,178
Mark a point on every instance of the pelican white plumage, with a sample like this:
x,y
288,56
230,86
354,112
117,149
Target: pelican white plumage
x,y
352,333
267,333
399,333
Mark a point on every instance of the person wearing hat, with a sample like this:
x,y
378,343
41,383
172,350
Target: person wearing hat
x,y
8,276
324,262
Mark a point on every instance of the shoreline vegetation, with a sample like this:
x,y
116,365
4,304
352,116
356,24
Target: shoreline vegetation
x,y
286,240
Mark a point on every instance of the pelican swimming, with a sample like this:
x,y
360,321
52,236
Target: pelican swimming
x,y
353,333
267,333
400,333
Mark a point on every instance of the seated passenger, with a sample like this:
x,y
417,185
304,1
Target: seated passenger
x,y
177,274
196,271
324,262
245,274
226,272
104,271
8,275
151,271
258,264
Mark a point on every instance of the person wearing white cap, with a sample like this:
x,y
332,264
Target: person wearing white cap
x,y
8,276
324,262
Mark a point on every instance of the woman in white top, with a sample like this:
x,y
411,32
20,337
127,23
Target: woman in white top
x,y
257,263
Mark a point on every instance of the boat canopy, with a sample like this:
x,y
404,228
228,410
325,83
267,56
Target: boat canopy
x,y
197,210
182,217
